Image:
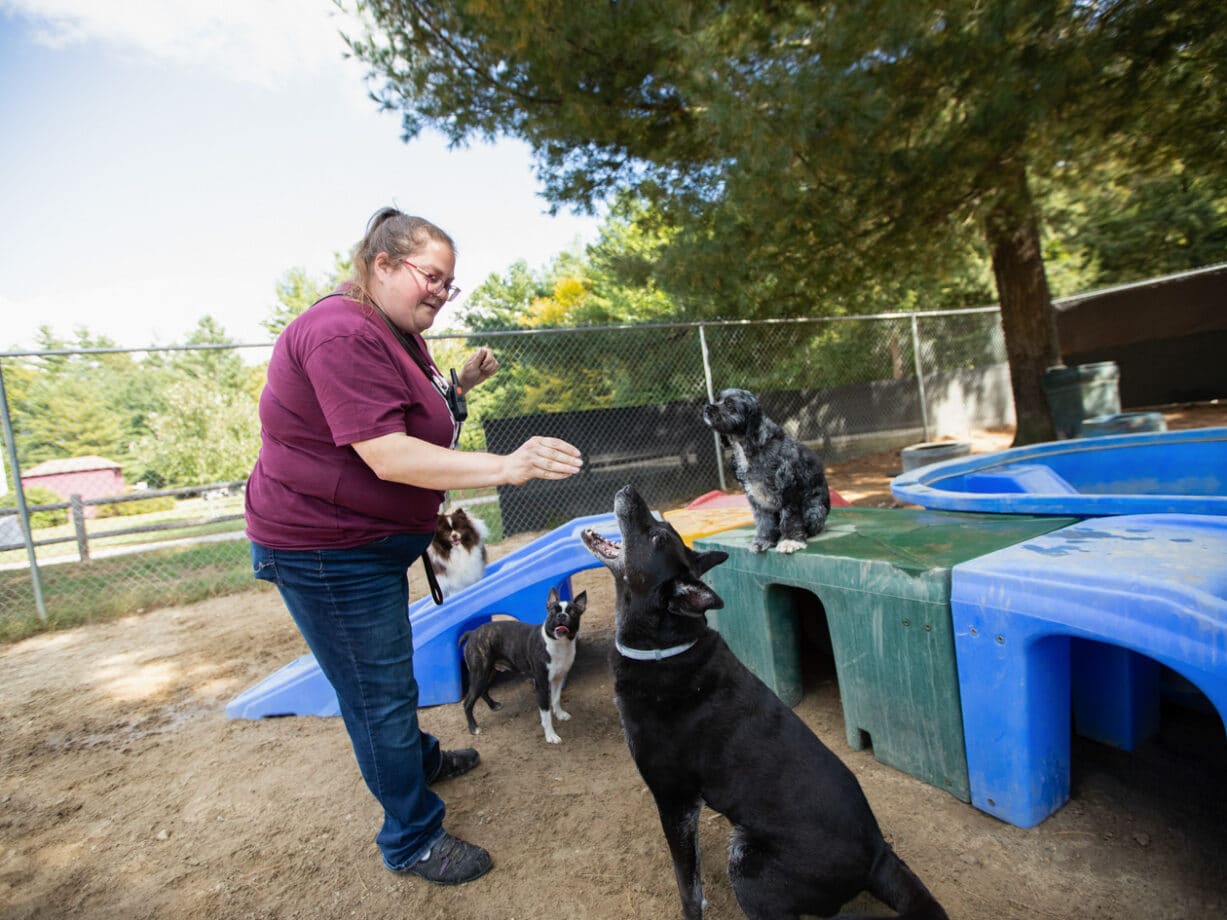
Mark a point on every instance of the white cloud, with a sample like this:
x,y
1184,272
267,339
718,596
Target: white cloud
x,y
228,187
266,42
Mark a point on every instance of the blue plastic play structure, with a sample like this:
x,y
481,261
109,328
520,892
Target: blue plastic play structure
x,y
1088,614
516,586
1071,631
1150,473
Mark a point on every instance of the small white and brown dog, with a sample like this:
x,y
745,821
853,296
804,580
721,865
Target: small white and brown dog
x,y
458,551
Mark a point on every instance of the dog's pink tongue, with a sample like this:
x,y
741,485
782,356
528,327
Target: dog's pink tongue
x,y
560,632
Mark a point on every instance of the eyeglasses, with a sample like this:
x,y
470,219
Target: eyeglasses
x,y
434,283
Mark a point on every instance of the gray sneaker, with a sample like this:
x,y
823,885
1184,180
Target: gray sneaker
x,y
451,861
456,763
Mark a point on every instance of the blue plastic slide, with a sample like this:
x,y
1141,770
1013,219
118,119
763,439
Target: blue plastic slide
x,y
516,585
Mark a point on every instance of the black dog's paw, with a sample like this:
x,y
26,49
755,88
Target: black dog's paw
x,y
760,546
495,706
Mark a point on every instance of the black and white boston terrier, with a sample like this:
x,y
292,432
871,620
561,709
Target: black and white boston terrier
x,y
543,653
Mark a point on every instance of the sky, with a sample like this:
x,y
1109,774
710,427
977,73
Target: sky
x,y
164,161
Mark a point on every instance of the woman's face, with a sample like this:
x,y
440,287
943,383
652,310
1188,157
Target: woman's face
x,y
413,295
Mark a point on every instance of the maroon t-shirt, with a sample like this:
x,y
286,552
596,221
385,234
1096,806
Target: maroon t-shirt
x,y
338,375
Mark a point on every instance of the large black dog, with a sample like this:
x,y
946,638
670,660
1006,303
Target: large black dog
x,y
783,479
703,729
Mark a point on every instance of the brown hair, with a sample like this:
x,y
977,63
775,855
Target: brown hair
x,y
400,236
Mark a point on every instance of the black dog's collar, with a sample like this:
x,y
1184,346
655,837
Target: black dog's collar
x,y
652,654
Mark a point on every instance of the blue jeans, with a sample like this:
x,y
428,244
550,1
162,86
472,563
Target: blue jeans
x,y
351,606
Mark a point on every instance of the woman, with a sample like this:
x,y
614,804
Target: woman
x,y
357,438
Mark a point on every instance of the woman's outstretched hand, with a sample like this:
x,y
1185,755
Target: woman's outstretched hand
x,y
543,458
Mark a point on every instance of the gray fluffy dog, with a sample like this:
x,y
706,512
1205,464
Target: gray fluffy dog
x,y
783,479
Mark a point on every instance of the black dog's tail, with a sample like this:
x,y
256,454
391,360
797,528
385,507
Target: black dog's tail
x,y
893,883
464,671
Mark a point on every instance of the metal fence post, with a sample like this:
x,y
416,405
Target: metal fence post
x,y
78,523
711,397
36,580
920,376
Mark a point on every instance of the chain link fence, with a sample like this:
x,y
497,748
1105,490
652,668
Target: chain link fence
x,y
82,536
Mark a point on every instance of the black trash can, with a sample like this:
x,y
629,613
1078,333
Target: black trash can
x,y
1081,392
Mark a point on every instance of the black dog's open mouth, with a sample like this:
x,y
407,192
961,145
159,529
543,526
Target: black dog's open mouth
x,y
561,632
603,549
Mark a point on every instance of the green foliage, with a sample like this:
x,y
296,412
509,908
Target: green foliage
x,y
168,418
136,506
626,279
68,411
95,402
748,129
500,301
296,291
802,152
574,290
36,495
104,589
1127,227
206,433
220,364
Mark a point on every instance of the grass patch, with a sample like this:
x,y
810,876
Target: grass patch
x,y
105,589
109,587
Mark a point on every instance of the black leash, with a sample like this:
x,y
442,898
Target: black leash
x,y
436,593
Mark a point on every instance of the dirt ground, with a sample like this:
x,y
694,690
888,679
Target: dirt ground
x,y
126,793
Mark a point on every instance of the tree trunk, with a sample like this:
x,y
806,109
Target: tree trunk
x,y
1027,318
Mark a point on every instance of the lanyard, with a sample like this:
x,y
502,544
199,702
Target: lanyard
x,y
453,396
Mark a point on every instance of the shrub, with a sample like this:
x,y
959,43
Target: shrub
x,y
36,495
137,506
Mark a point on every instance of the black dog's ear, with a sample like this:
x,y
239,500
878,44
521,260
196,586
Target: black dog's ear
x,y
552,600
692,598
579,603
708,560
